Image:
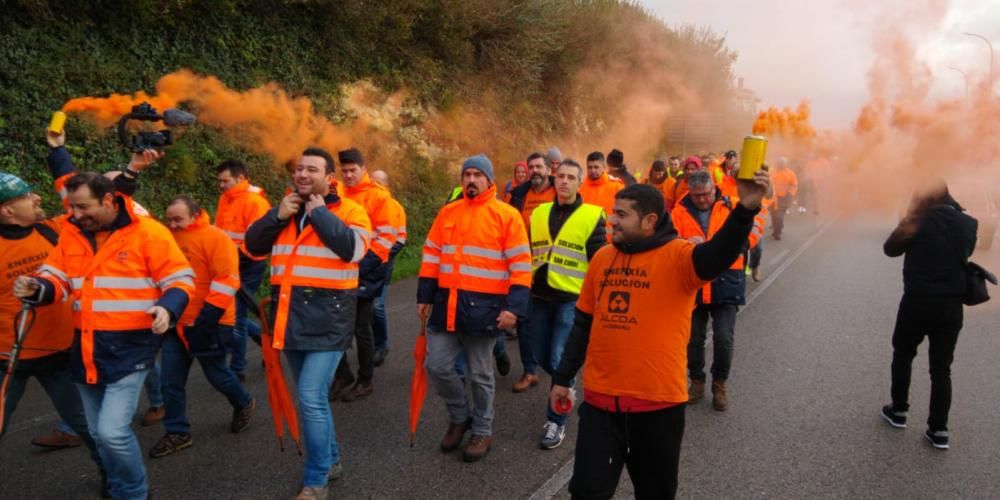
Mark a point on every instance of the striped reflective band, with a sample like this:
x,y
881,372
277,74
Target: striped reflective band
x,y
385,229
317,272
117,305
116,283
45,268
565,252
430,244
432,259
479,272
482,252
359,248
76,283
567,272
185,275
366,234
520,266
234,235
448,249
384,242
222,288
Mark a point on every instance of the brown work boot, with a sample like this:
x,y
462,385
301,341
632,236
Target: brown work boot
x,y
696,392
241,417
57,440
153,416
361,390
170,443
755,274
477,448
719,401
527,381
339,387
313,493
454,435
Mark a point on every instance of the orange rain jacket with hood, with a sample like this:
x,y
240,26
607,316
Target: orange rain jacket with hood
x,y
240,206
376,200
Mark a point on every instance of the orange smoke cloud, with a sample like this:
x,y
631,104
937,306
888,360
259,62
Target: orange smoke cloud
x,y
265,119
785,123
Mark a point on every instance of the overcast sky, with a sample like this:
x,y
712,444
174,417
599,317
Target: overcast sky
x,y
821,49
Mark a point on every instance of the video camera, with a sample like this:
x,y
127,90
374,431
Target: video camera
x,y
149,139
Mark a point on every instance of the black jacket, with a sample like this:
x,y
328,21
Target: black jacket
x,y
710,259
319,319
936,253
557,217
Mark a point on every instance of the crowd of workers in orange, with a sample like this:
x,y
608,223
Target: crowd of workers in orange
x,y
112,302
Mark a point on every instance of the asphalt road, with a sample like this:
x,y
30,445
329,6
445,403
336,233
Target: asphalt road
x,y
810,373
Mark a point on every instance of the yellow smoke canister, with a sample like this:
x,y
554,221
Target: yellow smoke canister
x,y
57,123
753,156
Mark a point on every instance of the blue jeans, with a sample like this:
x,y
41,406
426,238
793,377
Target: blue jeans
x,y
548,330
176,363
526,346
313,373
380,321
152,384
109,409
251,273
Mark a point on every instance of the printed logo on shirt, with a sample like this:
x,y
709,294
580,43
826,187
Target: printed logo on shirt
x,y
618,302
123,256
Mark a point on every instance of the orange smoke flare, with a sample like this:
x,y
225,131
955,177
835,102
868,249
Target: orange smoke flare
x,y
785,122
264,119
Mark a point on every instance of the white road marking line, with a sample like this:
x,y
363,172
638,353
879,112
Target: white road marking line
x,y
561,478
777,258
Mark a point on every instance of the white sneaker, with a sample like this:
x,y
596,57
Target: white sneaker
x,y
552,436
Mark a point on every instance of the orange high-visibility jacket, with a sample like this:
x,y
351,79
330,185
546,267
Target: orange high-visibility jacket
x,y
216,266
22,252
601,192
730,286
300,259
785,182
477,254
240,206
375,199
112,279
399,225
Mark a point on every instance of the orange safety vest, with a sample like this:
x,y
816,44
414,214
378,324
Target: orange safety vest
x,y
478,245
112,288
216,268
53,328
240,206
601,192
687,226
301,259
641,306
374,197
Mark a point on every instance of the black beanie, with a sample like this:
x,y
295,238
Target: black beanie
x,y
351,156
616,158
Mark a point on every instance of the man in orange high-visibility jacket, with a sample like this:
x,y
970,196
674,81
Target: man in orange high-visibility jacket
x,y
206,327
599,188
377,201
475,282
380,320
698,217
240,205
630,336
127,281
786,188
316,239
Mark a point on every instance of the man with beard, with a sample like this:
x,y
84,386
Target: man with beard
x,y
600,188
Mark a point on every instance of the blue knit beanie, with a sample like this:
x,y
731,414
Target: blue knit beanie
x,y
481,163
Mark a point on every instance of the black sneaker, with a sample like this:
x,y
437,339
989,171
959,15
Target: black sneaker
x,y
503,365
938,439
170,443
241,417
895,418
380,354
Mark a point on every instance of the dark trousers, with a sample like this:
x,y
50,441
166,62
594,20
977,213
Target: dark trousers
x,y
251,274
648,443
723,333
940,320
365,344
755,254
58,385
778,214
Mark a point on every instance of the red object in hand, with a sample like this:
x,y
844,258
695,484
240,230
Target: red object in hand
x,y
565,405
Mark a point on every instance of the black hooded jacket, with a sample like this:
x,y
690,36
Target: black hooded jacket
x,y
935,254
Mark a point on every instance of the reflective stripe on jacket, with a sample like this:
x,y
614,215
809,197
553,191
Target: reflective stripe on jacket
x,y
567,255
216,267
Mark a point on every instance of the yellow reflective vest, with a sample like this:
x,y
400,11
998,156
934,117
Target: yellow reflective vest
x,y
567,255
